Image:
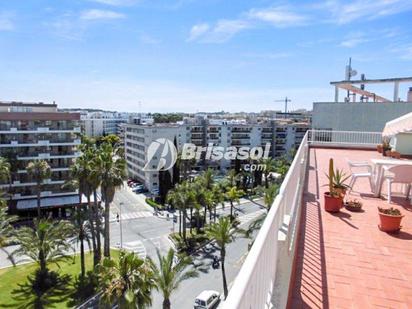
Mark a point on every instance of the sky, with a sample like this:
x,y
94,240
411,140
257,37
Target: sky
x,y
197,55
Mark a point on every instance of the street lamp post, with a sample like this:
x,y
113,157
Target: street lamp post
x,y
120,222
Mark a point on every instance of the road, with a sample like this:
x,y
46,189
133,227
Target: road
x,y
145,233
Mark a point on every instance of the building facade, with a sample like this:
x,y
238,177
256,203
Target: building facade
x,y
282,135
102,123
37,131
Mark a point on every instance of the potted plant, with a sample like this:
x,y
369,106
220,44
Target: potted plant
x,y
386,146
379,147
390,219
333,200
339,178
353,205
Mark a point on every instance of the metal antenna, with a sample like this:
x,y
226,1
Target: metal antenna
x,y
285,100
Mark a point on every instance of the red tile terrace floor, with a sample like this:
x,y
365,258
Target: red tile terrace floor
x,y
344,260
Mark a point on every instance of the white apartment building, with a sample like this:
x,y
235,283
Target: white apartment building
x,y
281,134
37,131
137,140
102,123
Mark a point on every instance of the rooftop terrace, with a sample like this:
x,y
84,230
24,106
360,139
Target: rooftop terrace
x,y
305,257
344,260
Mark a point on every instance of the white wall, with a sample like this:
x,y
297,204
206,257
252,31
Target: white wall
x,y
356,116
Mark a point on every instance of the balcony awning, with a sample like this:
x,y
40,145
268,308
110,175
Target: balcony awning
x,y
399,125
49,202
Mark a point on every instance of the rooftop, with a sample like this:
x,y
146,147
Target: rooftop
x,y
305,257
343,259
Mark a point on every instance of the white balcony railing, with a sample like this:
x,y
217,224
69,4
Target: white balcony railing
x,y
256,283
344,138
263,281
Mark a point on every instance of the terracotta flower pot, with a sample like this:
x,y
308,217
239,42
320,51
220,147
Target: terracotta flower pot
x,y
390,223
386,153
332,203
379,148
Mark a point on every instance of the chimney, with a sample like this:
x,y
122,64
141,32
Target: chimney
x,y
409,98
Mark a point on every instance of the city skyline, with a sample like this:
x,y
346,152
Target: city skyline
x,y
188,56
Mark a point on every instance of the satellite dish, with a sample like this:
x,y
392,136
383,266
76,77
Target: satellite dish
x,y
353,73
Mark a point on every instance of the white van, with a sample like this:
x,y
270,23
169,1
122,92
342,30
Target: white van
x,y
206,300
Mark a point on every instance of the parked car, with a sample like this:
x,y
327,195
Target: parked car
x,y
138,189
207,299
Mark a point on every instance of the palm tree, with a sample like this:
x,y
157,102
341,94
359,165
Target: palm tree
x,y
232,177
82,229
39,170
4,169
233,195
223,233
6,231
129,281
270,195
94,181
269,167
81,175
183,199
110,169
207,179
169,274
46,243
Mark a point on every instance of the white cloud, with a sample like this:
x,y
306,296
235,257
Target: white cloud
x,y
198,30
95,14
344,12
354,39
404,52
270,56
224,29
6,23
117,2
278,16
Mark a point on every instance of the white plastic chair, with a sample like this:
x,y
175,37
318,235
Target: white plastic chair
x,y
398,174
360,173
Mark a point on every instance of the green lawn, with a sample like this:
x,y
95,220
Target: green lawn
x,y
10,277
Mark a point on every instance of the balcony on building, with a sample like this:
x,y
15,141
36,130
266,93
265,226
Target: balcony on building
x,y
305,257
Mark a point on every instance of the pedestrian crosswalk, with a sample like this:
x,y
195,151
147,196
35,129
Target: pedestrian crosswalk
x,y
132,215
250,217
137,247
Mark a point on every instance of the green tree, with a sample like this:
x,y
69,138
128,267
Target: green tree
x,y
39,171
82,230
232,177
270,195
46,243
6,231
223,233
170,273
4,169
233,195
269,164
111,139
129,281
94,182
110,171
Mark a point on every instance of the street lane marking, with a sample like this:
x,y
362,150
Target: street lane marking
x,y
132,215
249,217
137,247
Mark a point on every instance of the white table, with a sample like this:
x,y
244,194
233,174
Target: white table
x,y
378,171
